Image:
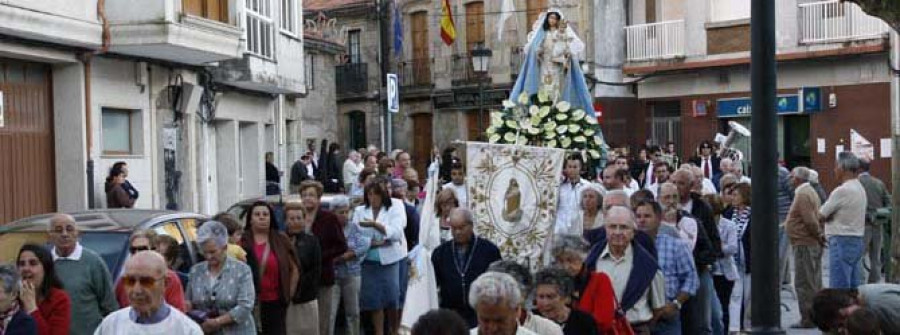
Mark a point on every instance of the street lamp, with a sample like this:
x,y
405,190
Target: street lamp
x,y
481,63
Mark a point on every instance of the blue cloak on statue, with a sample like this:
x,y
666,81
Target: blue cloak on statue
x,y
574,88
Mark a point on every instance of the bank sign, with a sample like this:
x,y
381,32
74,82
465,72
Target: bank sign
x,y
787,104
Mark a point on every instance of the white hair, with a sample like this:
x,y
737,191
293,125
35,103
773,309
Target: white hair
x,y
213,231
623,211
495,288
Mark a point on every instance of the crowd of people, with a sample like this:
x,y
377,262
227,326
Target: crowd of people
x,y
645,244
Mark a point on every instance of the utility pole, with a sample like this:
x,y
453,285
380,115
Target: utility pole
x,y
765,286
381,8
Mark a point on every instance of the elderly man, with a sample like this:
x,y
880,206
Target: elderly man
x,y
844,215
684,224
143,240
497,299
351,169
458,262
638,284
613,199
805,233
675,263
877,197
527,318
570,195
84,276
145,282
697,317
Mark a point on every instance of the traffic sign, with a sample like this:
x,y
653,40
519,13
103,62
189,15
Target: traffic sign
x,y
393,93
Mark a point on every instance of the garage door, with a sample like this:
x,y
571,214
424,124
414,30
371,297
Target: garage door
x,y
27,171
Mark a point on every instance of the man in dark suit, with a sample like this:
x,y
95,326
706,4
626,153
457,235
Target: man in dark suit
x,y
877,197
457,263
708,161
299,173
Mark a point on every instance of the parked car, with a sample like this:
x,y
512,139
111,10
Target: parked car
x,y
278,202
106,232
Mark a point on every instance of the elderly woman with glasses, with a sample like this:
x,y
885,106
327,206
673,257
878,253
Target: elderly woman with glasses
x,y
220,295
147,240
13,318
42,295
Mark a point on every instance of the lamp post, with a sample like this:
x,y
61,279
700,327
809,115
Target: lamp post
x,y
481,64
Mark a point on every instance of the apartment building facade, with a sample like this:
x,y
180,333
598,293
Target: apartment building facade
x,y
190,93
691,63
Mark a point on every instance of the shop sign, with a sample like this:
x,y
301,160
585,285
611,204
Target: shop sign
x,y
740,107
812,99
470,99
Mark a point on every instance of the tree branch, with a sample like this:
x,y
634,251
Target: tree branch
x,y
887,10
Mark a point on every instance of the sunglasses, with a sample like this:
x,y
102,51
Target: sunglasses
x,y
145,282
135,250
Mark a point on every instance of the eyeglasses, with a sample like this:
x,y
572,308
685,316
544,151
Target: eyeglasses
x,y
135,250
145,282
31,262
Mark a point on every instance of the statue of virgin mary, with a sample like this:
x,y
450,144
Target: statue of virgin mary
x,y
552,56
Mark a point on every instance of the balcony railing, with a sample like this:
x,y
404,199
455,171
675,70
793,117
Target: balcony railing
x,y
833,21
651,41
351,78
415,72
463,70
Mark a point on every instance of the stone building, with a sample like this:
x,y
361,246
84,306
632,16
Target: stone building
x,y
190,93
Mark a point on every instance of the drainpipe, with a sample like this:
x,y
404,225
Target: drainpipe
x,y
894,276
88,124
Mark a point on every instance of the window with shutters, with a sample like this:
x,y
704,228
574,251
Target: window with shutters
x,y
259,28
421,61
289,17
534,8
216,10
474,25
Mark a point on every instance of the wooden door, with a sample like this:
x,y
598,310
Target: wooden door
x,y
422,143
534,10
27,163
476,129
474,25
421,59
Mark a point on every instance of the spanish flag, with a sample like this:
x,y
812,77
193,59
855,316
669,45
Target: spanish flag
x,y
448,29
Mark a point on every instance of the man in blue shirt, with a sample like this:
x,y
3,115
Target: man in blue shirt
x,y
675,262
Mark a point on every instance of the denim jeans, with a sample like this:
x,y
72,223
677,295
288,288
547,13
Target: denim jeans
x,y
695,315
716,320
347,290
668,327
845,260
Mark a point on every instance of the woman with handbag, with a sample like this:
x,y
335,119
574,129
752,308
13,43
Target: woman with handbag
x,y
217,295
273,260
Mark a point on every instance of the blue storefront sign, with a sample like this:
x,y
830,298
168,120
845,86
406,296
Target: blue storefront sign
x,y
787,104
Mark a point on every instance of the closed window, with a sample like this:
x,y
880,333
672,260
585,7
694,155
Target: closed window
x,y
121,131
310,64
259,28
353,50
725,10
289,17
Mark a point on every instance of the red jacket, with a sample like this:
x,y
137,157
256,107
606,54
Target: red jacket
x,y
174,292
599,300
54,313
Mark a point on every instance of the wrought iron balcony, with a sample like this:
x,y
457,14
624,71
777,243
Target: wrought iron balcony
x,y
415,72
352,78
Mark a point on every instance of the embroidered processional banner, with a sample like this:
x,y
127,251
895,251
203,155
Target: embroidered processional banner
x,y
513,192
